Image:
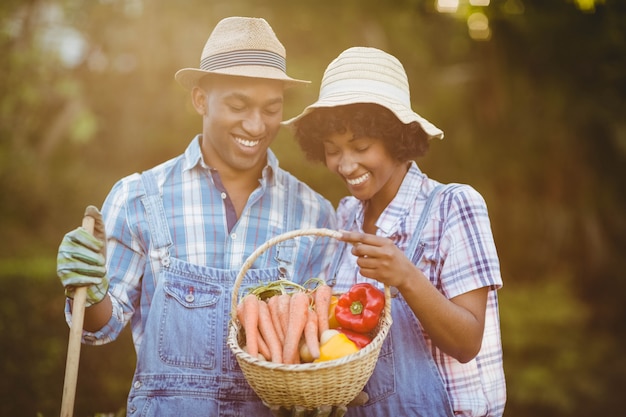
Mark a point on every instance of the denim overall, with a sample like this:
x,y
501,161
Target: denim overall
x,y
406,381
184,366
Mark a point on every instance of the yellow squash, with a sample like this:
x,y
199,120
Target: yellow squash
x,y
337,346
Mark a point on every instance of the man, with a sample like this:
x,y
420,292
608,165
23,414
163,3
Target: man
x,y
178,234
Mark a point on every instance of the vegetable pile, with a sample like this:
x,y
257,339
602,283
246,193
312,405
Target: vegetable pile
x,y
288,323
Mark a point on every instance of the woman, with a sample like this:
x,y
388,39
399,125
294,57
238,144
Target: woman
x,y
432,244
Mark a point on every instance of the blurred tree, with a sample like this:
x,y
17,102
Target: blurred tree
x,y
560,184
42,118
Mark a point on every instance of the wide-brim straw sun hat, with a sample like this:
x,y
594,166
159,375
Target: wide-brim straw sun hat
x,y
368,75
242,47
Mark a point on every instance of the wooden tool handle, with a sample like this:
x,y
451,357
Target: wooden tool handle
x,y
73,348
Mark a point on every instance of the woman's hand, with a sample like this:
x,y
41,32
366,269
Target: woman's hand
x,y
455,325
380,259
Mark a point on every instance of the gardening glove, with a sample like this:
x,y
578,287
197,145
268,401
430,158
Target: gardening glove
x,y
81,260
321,411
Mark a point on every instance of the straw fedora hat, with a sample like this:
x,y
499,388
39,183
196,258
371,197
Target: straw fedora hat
x,y
242,47
368,75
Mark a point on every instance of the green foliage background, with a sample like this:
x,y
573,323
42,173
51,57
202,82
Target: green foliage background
x,y
534,119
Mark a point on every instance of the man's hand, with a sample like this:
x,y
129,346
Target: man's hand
x,y
81,260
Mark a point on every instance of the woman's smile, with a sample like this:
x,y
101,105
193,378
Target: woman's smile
x,y
358,180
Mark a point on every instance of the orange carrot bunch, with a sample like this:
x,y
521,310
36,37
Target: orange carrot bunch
x,y
283,321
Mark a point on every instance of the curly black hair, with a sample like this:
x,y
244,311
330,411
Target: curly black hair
x,y
404,142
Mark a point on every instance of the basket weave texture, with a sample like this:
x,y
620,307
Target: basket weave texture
x,y
310,385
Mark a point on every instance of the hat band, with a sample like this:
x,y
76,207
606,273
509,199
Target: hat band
x,y
375,87
243,57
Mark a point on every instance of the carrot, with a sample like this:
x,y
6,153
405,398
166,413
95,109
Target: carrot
x,y
269,333
298,307
263,349
272,303
310,334
250,323
323,294
284,301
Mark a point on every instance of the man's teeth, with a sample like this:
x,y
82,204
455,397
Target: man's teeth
x,y
359,180
248,143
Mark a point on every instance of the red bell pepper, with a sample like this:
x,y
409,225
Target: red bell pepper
x,y
360,340
360,308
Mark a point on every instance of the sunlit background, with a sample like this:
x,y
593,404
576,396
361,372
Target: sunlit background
x,y
531,97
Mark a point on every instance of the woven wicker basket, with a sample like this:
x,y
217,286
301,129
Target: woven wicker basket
x,y
310,385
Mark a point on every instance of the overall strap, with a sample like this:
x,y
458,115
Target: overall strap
x,y
285,250
290,205
341,247
411,250
155,214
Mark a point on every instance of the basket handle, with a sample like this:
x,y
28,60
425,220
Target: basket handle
x,y
261,249
280,238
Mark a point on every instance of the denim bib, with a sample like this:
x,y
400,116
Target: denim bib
x,y
406,381
184,366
